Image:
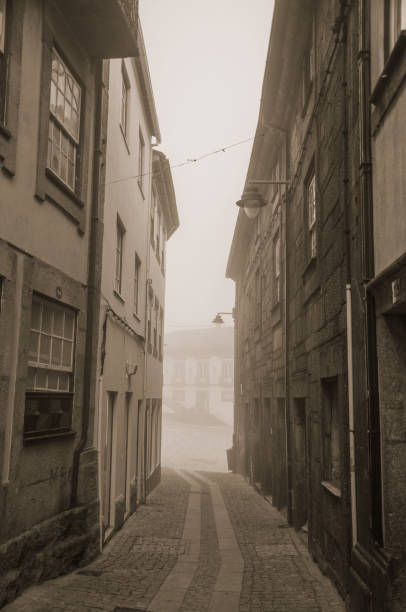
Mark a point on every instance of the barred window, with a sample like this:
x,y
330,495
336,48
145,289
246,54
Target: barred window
x,y
64,122
312,215
50,367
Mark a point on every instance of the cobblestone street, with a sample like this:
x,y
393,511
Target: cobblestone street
x,y
204,541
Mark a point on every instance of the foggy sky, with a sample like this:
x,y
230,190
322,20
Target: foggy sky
x,y
207,60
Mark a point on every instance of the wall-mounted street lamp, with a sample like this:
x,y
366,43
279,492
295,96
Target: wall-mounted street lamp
x,y
252,201
218,319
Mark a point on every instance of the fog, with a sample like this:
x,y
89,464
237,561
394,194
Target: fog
x,y
207,61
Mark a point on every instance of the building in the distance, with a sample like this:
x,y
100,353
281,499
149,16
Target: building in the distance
x,y
140,215
199,372
53,113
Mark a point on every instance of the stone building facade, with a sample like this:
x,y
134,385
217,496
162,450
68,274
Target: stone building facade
x,y
319,392
53,112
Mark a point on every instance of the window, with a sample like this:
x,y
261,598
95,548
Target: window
x,y
394,23
161,329
227,371
178,394
179,372
156,311
158,236
149,319
311,215
137,271
48,405
257,298
119,257
64,122
125,95
3,9
331,438
202,371
277,268
154,205
141,155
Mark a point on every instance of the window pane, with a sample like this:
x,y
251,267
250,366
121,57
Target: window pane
x,y
46,319
35,315
31,378
64,168
56,351
53,97
45,348
63,381
53,381
58,322
41,379
68,329
33,350
67,353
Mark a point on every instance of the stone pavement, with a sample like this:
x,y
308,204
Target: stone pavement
x,y
204,542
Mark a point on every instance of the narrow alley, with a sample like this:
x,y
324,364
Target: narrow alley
x,y
204,541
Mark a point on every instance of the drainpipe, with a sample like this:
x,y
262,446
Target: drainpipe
x,y
368,271
94,273
348,291
148,281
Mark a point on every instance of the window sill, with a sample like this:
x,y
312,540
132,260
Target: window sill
x,y
328,486
125,138
44,437
119,296
63,187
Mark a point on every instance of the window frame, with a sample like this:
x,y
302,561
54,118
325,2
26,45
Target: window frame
x,y
55,121
276,244
141,161
311,216
48,185
331,448
137,276
10,76
118,280
41,421
125,102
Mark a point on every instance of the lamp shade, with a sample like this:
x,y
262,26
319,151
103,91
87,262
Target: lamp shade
x,y
252,201
218,320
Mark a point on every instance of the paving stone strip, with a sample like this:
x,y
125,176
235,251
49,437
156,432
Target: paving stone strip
x,y
201,588
279,574
172,592
226,594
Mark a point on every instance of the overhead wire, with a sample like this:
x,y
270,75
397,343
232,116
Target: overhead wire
x,y
189,161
